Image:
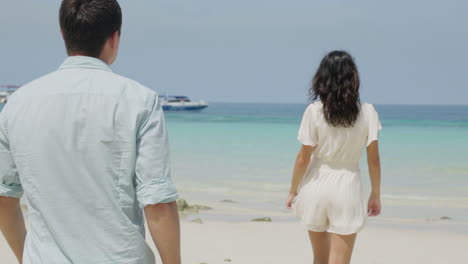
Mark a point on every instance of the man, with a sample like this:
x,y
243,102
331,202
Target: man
x,y
89,150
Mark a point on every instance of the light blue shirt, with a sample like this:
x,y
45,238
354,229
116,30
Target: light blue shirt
x,y
89,149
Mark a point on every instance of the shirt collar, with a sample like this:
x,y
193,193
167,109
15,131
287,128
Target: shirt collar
x,y
84,62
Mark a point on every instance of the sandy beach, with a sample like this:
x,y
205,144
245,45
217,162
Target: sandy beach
x,y
279,243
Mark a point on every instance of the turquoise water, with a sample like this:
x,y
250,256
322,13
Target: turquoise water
x,y
246,152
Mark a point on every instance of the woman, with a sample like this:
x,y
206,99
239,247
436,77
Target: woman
x,y
326,191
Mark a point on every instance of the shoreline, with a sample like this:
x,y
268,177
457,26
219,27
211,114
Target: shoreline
x,y
392,217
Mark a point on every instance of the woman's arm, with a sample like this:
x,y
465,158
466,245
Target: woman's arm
x,y
373,162
300,167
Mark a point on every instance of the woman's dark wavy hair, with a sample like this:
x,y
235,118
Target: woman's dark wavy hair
x,y
336,84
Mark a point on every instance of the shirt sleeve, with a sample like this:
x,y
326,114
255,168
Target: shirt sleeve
x,y
152,169
374,125
10,185
307,134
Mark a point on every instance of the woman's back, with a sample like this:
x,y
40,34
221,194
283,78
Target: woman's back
x,y
338,145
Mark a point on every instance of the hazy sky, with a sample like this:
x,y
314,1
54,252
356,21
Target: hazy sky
x,y
408,52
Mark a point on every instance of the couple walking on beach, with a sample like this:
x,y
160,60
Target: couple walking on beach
x,y
89,150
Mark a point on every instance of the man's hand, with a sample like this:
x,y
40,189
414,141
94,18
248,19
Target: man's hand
x,y
12,225
164,225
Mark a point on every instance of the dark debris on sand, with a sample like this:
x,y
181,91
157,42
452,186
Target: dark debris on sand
x,y
261,219
184,206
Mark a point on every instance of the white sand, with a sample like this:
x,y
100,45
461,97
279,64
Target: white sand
x,y
281,243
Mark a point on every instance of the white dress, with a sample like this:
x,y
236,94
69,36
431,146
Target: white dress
x,y
330,196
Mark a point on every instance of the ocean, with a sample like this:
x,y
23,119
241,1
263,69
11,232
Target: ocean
x,y
245,153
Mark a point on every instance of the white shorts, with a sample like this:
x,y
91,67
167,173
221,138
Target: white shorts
x,y
331,200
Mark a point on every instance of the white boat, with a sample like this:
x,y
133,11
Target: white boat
x,y
6,91
3,97
181,103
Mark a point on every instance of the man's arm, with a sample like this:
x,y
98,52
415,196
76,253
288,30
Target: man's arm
x,y
12,225
163,223
11,217
156,191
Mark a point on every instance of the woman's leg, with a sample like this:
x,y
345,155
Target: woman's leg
x,y
341,248
321,246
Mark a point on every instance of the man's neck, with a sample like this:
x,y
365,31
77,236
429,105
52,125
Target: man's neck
x,y
85,55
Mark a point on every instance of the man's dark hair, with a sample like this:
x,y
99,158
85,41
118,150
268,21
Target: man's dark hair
x,y
87,24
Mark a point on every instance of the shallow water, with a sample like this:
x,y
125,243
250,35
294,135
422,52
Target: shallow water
x,y
246,152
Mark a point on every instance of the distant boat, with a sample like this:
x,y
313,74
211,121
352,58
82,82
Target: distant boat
x,y
3,98
181,103
6,91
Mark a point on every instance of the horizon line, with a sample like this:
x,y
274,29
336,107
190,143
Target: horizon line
x,y
305,103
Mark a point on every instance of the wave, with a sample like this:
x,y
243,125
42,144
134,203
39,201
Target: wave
x,y
424,198
425,201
